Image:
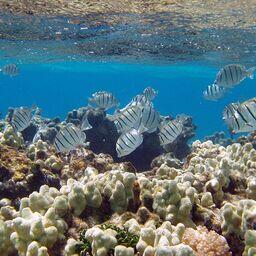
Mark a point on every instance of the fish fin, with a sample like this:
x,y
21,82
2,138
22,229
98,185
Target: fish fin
x,y
250,72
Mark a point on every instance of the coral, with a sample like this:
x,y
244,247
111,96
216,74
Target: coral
x,y
166,236
157,212
71,248
174,202
167,159
38,225
121,250
238,219
205,242
250,243
101,240
13,164
38,150
10,138
251,187
219,138
53,163
6,247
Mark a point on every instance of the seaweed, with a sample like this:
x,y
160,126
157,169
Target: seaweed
x,y
123,237
84,247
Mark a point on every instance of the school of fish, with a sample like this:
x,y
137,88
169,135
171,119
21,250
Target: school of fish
x,y
228,77
132,122
139,115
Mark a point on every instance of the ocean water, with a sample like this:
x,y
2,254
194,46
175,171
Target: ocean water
x,y
62,63
58,88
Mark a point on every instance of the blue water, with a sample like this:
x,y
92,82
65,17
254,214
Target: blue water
x,y
63,86
63,62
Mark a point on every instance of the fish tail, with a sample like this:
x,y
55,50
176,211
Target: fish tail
x,y
250,72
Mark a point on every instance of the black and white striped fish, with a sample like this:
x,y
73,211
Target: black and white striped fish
x,y
128,142
128,118
233,74
85,123
170,132
21,118
149,93
69,138
10,70
140,99
241,117
150,119
103,99
214,92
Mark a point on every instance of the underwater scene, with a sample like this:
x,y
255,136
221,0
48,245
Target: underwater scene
x,y
127,128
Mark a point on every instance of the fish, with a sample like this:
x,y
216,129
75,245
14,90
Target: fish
x,y
41,129
85,123
21,118
128,118
149,93
69,138
241,117
170,132
150,119
214,92
233,74
10,70
140,99
128,142
104,100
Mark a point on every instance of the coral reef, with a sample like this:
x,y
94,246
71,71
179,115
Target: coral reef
x,y
203,204
103,136
19,175
220,138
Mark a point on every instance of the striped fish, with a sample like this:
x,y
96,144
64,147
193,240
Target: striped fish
x,y
150,119
21,118
241,117
128,142
248,108
170,132
128,118
235,118
69,138
233,74
149,93
140,99
214,92
85,123
105,100
10,70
